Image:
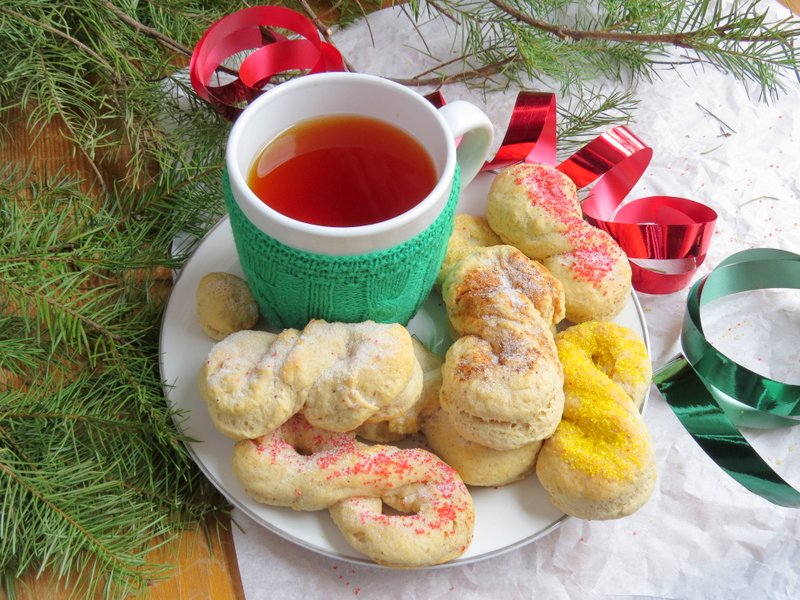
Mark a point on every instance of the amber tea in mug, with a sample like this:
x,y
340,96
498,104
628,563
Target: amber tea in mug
x,y
342,171
357,229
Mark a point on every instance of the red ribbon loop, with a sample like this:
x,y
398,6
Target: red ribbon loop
x,y
655,228
531,133
273,53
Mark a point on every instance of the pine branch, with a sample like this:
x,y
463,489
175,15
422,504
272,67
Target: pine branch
x,y
686,39
160,37
573,44
85,361
479,73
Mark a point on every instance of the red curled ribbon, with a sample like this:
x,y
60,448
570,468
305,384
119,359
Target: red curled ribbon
x,y
662,228
251,29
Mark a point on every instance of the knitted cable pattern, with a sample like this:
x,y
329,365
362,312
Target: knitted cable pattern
x,y
293,286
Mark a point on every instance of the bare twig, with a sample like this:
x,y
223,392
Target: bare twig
x,y
324,30
482,72
716,118
443,11
148,31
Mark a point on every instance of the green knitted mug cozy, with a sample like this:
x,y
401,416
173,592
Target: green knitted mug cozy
x,y
294,286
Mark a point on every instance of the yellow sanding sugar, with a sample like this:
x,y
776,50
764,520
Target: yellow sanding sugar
x,y
598,449
596,432
616,350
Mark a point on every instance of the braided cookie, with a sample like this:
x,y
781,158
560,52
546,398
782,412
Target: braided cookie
x,y
306,468
397,428
599,464
241,386
339,374
536,208
502,384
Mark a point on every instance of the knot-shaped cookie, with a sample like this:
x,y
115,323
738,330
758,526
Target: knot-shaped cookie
x,y
340,375
502,384
599,463
307,468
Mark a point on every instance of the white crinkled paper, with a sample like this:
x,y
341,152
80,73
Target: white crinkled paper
x,y
701,535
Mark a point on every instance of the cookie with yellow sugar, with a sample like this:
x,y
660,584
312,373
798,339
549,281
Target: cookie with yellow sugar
x,y
599,463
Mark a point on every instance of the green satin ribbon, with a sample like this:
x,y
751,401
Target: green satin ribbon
x,y
697,383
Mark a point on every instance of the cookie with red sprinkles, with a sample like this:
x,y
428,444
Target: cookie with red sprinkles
x,y
536,208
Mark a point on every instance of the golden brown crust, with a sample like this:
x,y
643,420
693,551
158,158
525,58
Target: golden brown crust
x,y
476,464
501,380
501,282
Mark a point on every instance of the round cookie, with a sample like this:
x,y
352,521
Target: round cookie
x,y
224,305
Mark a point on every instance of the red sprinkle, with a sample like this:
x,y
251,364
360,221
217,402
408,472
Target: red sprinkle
x,y
591,258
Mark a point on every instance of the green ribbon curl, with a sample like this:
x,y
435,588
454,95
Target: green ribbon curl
x,y
693,383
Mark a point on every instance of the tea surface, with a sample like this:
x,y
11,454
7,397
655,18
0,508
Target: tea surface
x,y
342,171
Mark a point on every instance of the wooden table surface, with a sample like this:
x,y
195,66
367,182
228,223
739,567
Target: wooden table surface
x,y
203,571
205,568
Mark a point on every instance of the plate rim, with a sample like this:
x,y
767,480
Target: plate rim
x,y
180,415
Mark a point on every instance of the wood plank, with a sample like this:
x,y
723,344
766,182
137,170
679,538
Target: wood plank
x,y
203,568
793,5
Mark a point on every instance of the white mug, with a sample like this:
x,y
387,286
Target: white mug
x,y
368,95
326,94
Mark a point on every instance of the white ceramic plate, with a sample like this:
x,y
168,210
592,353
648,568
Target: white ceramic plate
x,y
506,518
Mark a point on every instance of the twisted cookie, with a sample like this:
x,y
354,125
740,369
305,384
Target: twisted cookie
x,y
502,383
396,428
536,208
340,375
307,468
599,464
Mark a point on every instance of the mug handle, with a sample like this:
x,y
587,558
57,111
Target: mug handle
x,y
468,122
